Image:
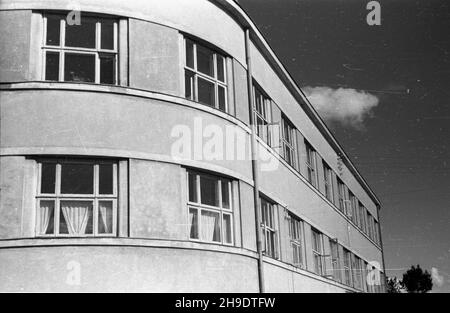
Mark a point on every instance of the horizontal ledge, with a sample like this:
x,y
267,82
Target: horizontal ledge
x,y
121,91
307,273
116,153
40,242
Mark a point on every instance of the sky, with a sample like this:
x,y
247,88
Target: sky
x,y
384,92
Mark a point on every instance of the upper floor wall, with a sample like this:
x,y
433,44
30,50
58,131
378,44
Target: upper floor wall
x,y
152,57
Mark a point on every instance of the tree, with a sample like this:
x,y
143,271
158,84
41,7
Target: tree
x,y
415,280
394,285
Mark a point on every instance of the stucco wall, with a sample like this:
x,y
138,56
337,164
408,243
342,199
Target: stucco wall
x,y
124,126
157,209
14,45
125,269
154,57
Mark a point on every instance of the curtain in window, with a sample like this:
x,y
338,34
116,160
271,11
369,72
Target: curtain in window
x,y
46,210
210,226
193,223
76,215
105,220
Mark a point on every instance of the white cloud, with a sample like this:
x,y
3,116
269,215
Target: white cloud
x,y
438,280
346,106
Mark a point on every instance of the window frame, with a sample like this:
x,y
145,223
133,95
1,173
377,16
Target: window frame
x,y
200,207
335,259
317,252
198,74
363,217
288,141
296,239
341,195
353,206
328,181
97,51
264,115
269,227
311,164
377,232
357,272
347,267
57,197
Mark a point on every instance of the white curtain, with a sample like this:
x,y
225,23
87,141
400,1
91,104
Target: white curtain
x,y
210,224
193,224
105,210
76,214
46,209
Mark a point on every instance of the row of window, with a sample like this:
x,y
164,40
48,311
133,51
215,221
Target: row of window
x,y
88,52
347,202
357,213
78,198
348,269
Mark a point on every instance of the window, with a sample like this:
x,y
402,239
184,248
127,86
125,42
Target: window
x,y
296,239
370,285
210,208
268,228
341,193
357,274
362,217
311,164
317,248
347,268
366,269
77,198
262,114
205,76
377,232
372,227
334,247
328,180
80,53
352,207
369,225
288,133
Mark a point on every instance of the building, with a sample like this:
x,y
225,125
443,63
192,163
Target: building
x,y
95,95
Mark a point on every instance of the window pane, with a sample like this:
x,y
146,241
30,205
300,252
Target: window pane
x,y
76,218
79,67
192,180
193,223
189,81
107,70
210,226
220,68
77,178
222,101
227,229
105,218
106,179
107,40
225,194
46,217
206,93
53,30
48,177
209,191
205,61
83,35
52,66
189,54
